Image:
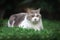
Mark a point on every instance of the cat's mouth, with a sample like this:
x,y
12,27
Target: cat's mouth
x,y
35,22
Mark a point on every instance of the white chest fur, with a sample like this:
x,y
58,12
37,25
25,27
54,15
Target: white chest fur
x,y
27,24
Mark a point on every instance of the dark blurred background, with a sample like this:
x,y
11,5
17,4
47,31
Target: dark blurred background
x,y
50,9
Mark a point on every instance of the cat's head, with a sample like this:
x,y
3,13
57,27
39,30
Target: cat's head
x,y
33,16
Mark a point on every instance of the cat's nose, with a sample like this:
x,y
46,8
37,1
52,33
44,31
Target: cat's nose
x,y
35,19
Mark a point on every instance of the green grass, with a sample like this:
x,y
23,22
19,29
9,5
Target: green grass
x,y
51,32
51,24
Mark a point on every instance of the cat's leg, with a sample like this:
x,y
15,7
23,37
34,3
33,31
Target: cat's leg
x,y
41,24
37,29
11,23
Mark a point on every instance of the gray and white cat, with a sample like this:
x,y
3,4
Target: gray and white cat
x,y
30,20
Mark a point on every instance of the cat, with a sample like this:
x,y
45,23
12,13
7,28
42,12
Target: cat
x,y
30,20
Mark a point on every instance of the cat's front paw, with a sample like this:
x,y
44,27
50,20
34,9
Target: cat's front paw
x,y
37,29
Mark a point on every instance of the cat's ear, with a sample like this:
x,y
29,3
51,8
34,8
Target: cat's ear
x,y
28,10
39,9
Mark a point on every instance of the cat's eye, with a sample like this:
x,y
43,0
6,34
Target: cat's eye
x,y
32,15
37,16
